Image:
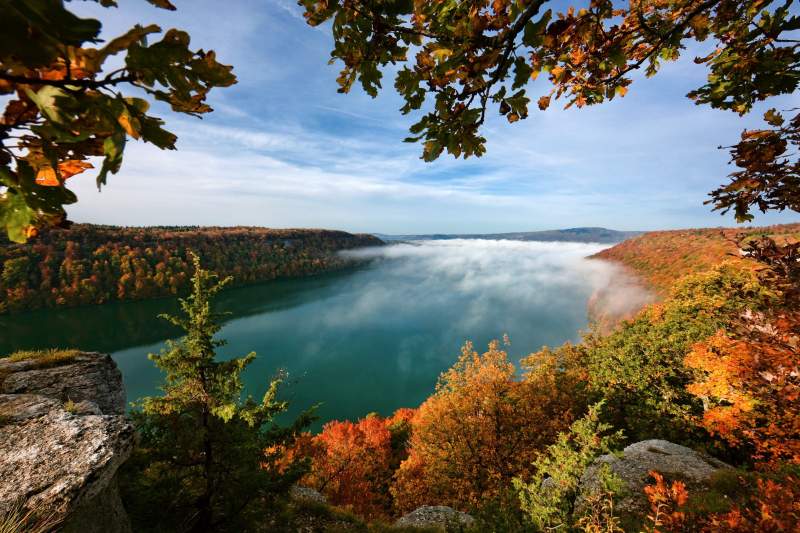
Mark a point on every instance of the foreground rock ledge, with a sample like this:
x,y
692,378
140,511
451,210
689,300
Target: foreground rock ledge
x,y
435,517
63,434
634,465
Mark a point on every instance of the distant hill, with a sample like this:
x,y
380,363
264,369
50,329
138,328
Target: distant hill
x,y
662,257
601,235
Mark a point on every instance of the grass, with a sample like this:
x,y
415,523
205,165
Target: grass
x,y
21,520
41,359
45,358
70,407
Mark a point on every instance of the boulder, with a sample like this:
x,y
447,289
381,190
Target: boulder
x,y
63,435
634,465
436,517
306,494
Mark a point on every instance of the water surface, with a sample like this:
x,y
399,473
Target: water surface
x,y
368,340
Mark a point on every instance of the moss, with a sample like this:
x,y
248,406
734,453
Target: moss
x,y
70,407
45,358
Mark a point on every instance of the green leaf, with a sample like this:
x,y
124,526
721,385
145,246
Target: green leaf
x,y
45,100
533,33
15,216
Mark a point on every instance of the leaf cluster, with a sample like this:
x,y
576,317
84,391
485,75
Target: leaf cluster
x,y
65,106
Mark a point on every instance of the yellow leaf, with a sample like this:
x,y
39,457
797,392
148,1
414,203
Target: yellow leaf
x,y
621,91
442,53
125,121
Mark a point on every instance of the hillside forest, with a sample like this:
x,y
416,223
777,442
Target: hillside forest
x,y
700,367
90,264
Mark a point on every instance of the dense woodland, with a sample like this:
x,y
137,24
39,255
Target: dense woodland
x,y
90,264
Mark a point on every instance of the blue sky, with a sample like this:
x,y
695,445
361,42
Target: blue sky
x,y
284,149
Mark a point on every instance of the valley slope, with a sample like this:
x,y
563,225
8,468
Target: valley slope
x,y
660,258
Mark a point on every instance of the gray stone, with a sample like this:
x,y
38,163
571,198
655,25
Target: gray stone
x,y
436,516
633,467
306,494
63,435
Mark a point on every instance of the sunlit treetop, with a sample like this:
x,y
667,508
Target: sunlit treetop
x,y
65,105
461,59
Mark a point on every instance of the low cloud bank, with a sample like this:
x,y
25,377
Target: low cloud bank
x,y
490,277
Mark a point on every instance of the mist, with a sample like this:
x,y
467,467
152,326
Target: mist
x,y
490,278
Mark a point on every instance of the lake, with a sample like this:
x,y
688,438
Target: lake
x,y
371,339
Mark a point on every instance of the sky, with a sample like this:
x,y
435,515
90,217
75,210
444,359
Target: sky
x,y
284,149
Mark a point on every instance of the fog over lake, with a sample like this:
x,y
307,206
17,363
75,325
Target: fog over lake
x,y
370,339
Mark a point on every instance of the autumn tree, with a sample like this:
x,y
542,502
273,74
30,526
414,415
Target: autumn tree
x,y
459,60
353,463
65,105
206,455
481,428
750,373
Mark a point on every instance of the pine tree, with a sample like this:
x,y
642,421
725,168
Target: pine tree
x,y
207,456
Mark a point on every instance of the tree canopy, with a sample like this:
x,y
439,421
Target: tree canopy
x,y
66,105
459,59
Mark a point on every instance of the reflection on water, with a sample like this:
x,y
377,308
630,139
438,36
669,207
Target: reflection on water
x,y
372,339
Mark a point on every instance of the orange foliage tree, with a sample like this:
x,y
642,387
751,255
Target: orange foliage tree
x,y
751,373
482,427
768,506
352,463
752,387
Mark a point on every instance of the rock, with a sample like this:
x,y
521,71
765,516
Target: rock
x,y
673,461
63,434
438,516
306,494
89,377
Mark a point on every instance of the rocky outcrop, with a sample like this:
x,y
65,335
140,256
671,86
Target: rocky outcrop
x,y
438,517
63,434
306,494
634,465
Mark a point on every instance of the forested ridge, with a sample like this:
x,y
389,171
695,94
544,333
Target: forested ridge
x,y
662,257
90,264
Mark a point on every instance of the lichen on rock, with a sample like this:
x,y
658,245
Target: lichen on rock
x,y
435,517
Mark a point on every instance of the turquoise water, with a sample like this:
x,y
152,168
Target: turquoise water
x,y
368,340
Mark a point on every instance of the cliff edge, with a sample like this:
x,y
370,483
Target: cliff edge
x,y
63,435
